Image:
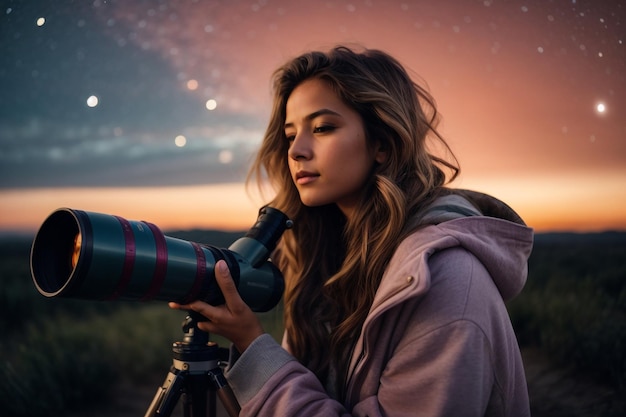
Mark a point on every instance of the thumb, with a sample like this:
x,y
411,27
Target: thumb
x,y
224,278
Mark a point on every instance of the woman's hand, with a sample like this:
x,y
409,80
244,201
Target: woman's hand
x,y
234,320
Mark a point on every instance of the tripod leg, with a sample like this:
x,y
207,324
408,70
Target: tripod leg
x,y
198,398
224,392
166,396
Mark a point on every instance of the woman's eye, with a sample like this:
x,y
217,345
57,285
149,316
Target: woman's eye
x,y
290,138
323,129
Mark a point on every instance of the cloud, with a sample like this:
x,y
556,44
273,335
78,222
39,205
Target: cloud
x,y
43,155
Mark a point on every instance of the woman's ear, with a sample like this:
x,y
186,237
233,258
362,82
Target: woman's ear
x,y
381,154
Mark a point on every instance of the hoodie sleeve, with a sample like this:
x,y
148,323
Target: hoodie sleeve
x,y
268,381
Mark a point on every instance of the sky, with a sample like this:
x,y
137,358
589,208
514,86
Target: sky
x,y
153,110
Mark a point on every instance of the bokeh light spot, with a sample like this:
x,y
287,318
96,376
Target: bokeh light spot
x,y
192,85
601,108
92,101
180,141
41,21
226,156
211,104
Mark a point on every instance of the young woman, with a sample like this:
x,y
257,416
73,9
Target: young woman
x,y
395,284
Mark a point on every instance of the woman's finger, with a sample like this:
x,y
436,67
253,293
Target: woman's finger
x,y
227,285
200,307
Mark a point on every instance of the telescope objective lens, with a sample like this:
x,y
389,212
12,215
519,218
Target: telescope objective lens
x,y
76,251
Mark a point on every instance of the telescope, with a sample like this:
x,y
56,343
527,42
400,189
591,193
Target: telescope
x,y
95,256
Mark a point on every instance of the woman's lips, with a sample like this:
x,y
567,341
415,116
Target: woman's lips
x,y
304,177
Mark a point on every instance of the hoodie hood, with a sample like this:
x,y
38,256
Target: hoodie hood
x,y
501,246
481,224
494,233
458,203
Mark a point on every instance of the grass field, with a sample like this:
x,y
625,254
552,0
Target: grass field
x,y
60,355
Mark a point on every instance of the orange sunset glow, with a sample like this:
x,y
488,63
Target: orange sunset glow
x,y
573,204
162,122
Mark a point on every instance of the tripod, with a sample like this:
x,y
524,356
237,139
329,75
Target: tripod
x,y
196,375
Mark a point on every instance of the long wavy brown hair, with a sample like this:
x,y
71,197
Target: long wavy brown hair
x,y
333,265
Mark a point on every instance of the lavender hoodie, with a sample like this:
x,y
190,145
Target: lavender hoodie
x,y
437,341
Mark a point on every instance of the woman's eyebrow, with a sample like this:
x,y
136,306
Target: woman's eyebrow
x,y
315,114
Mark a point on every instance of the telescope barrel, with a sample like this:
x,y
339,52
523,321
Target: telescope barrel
x,y
95,256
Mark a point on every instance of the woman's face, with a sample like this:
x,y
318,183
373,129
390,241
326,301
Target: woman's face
x,y
329,159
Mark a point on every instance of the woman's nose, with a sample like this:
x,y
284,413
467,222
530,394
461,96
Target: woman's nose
x,y
300,147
